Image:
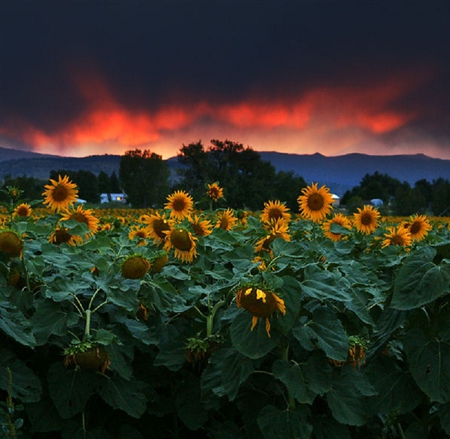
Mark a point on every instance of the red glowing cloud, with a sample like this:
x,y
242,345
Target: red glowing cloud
x,y
107,125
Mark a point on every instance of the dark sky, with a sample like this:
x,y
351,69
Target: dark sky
x,y
84,77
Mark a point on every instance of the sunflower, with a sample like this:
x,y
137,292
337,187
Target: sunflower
x,y
10,243
397,236
278,229
61,235
180,203
140,234
366,219
59,195
261,303
418,226
274,210
315,203
23,210
226,220
183,243
83,216
339,219
135,267
214,191
157,225
201,227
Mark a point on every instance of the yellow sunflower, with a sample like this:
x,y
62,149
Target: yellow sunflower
x,y
10,243
201,227
180,203
214,191
140,234
339,219
397,236
83,216
59,195
260,303
183,243
226,220
315,203
23,210
157,224
273,210
366,219
278,229
418,226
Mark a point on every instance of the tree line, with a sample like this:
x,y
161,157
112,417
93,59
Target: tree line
x,y
248,181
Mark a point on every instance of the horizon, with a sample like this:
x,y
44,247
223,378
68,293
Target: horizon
x,y
295,78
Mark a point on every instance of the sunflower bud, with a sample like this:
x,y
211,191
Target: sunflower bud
x,y
135,267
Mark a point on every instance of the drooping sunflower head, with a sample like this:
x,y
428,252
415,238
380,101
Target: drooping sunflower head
x,y
182,242
61,235
276,229
315,203
60,194
260,302
214,191
157,225
274,210
10,243
418,226
338,219
201,227
158,261
366,219
226,220
23,210
180,204
84,216
397,236
135,267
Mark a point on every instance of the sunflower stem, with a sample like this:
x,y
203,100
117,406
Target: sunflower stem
x,y
210,318
25,271
87,328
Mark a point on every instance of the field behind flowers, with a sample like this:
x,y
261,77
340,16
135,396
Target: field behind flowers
x,y
179,323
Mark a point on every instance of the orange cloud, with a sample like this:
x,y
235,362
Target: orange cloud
x,y
106,125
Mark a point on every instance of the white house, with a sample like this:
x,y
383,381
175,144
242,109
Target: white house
x,y
106,198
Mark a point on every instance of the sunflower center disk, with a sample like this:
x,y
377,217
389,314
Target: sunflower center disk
x,y
181,240
257,304
415,228
366,220
160,226
60,193
315,202
179,205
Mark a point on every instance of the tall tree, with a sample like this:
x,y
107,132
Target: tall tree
x,y
144,177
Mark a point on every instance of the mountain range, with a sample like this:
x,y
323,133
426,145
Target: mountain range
x,y
339,173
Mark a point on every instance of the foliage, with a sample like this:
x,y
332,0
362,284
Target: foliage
x,y
360,352
144,178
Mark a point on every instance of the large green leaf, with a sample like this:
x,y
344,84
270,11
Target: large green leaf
x,y
444,416
25,385
326,427
428,360
419,281
253,344
236,369
281,424
305,381
43,416
188,403
16,325
325,330
125,395
70,389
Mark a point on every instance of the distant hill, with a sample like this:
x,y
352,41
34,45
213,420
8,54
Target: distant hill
x,y
339,173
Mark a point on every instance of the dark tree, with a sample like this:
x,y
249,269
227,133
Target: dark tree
x,y
144,177
104,183
440,202
32,187
287,187
114,183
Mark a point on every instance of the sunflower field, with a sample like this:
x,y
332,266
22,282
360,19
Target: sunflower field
x,y
223,324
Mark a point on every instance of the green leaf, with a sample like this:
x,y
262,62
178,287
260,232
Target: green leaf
x,y
236,369
428,360
348,399
25,385
253,344
124,395
326,427
419,281
281,424
305,380
188,403
322,284
70,389
51,318
327,331
43,416
444,416
16,325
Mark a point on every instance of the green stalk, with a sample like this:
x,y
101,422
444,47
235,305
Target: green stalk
x,y
210,317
